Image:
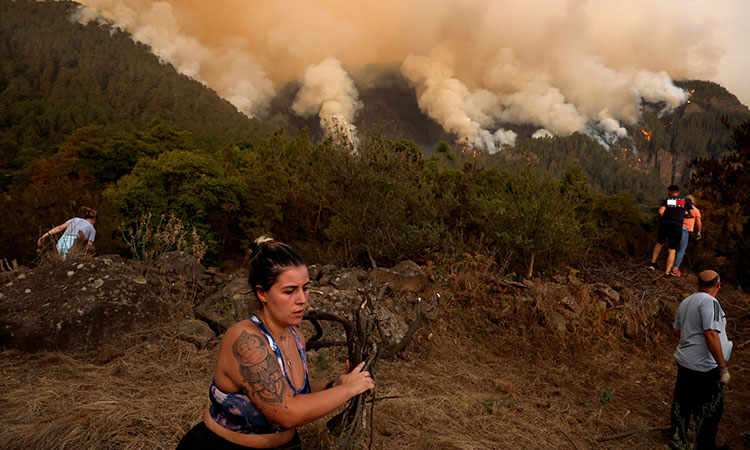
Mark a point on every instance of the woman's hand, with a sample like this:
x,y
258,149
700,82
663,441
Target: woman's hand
x,y
357,381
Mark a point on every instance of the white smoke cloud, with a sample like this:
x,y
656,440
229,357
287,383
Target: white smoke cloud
x,y
563,65
505,137
605,130
541,104
658,87
542,134
328,91
450,103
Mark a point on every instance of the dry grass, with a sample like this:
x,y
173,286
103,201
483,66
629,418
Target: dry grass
x,y
488,374
143,398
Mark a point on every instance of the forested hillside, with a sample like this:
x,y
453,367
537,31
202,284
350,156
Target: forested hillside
x,y
695,129
57,76
607,174
90,118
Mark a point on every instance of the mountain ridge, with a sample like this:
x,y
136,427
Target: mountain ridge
x,y
59,75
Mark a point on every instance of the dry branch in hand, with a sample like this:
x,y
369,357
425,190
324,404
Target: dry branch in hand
x,y
364,345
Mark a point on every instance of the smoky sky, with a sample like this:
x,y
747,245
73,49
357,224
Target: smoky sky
x,y
561,65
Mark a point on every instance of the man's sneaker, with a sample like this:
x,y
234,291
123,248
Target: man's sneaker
x,y
651,266
676,272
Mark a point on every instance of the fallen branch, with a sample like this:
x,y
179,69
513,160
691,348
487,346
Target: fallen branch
x,y
423,312
363,344
569,439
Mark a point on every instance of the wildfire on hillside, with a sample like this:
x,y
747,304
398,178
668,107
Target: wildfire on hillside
x,y
474,151
625,151
670,123
647,134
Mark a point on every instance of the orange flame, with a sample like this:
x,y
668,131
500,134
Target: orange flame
x,y
647,134
692,91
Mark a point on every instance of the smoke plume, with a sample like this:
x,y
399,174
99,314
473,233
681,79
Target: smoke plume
x,y
328,91
564,66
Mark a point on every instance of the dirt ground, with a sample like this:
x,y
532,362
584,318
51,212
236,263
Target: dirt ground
x,y
490,373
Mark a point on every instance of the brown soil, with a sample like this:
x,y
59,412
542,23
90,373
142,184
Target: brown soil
x,y
501,367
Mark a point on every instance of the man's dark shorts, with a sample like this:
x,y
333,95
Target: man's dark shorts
x,y
671,233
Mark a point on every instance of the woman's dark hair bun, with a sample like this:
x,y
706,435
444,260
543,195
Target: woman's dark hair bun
x,y
258,244
268,258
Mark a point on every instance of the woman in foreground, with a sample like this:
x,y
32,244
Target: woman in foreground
x,y
261,391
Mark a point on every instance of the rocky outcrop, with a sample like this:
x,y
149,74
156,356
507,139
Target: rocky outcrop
x,y
196,332
405,276
90,302
80,303
232,300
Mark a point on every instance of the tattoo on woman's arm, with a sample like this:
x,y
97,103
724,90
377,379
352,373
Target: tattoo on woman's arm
x,y
259,368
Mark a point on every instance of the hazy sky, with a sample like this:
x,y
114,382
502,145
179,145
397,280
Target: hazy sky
x,y
563,65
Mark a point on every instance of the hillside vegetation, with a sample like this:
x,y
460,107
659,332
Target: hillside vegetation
x,y
57,76
90,118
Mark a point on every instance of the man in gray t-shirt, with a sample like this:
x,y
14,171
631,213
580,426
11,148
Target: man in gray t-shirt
x,y
701,357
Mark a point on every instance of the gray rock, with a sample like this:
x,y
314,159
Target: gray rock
x,y
570,304
208,310
328,298
394,327
404,280
557,322
241,295
80,311
345,303
346,280
314,271
360,274
180,263
606,293
229,304
326,272
196,332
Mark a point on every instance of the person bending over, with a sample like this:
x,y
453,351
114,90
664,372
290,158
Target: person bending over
x,y
71,229
261,392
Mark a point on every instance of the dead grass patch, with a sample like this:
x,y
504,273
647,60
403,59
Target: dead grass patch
x,y
490,373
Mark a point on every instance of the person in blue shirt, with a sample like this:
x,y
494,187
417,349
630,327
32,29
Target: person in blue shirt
x,y
71,230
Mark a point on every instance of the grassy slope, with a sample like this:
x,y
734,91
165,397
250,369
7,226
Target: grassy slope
x,y
490,373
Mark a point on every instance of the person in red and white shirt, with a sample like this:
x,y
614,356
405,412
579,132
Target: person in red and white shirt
x,y
689,225
672,212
